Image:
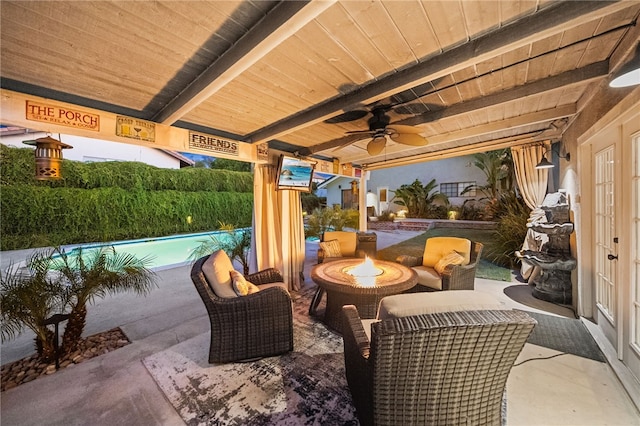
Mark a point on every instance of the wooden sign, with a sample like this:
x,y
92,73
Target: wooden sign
x,y
134,128
213,143
263,151
37,111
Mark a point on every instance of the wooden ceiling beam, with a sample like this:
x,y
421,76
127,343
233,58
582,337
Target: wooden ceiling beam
x,y
285,19
556,18
582,75
492,145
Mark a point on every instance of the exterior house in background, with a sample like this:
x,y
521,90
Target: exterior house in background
x,y
89,150
451,174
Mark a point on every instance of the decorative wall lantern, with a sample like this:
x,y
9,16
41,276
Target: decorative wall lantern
x,y
354,187
48,157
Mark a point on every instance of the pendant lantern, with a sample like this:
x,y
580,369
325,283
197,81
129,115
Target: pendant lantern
x,y
48,157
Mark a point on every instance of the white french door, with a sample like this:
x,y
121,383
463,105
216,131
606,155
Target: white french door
x,y
631,340
606,237
616,239
609,271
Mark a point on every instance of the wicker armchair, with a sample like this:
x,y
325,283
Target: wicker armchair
x,y
454,277
247,327
433,369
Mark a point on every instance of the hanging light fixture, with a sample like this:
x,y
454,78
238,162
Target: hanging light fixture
x,y
546,164
629,74
48,157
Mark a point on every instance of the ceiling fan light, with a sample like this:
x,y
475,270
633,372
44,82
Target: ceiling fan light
x,y
544,164
629,74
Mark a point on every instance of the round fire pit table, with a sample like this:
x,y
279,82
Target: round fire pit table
x,y
364,291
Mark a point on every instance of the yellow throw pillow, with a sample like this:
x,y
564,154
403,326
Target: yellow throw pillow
x,y
241,286
331,248
451,258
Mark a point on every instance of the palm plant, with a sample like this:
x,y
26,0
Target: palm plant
x,y
498,168
418,199
94,275
236,243
330,219
28,297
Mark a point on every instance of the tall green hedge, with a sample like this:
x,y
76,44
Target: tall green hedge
x,y
115,200
18,168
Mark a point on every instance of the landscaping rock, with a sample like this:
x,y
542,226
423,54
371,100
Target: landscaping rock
x,y
30,368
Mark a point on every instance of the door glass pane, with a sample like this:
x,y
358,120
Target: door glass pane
x,y
604,228
635,245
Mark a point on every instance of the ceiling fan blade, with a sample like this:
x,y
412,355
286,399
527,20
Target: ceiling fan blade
x,y
409,139
352,138
399,128
347,116
360,132
376,145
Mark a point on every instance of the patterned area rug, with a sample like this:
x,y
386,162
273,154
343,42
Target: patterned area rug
x,y
304,387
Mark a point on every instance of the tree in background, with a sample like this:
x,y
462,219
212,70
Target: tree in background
x,y
223,163
420,201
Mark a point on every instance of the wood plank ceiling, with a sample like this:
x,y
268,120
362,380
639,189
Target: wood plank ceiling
x,y
465,74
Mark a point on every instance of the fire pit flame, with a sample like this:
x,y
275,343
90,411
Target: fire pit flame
x,y
365,273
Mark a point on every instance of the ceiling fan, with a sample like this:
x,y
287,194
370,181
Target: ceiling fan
x,y
380,129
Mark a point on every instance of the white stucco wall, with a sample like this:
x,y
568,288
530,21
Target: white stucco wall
x,y
450,170
88,150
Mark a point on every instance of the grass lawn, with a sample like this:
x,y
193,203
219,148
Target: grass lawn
x,y
415,247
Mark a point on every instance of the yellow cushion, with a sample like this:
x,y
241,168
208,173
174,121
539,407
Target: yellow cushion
x,y
216,270
331,248
451,258
241,286
437,247
348,241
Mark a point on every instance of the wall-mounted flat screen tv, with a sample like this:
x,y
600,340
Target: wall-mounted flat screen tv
x,y
294,174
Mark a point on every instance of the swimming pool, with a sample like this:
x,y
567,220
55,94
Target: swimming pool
x,y
164,252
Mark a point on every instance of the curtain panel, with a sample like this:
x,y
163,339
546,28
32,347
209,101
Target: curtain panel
x,y
532,184
278,228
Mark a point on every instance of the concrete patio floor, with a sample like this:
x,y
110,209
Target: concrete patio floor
x,y
116,389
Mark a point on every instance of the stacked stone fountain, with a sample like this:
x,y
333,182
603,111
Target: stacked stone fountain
x,y
554,261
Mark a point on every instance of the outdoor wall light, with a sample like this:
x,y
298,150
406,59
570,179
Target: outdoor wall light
x,y
629,74
354,187
546,164
48,157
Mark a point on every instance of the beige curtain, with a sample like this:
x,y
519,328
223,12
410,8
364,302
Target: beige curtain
x,y
293,247
267,233
533,187
278,229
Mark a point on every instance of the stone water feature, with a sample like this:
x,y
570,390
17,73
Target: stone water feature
x,y
554,261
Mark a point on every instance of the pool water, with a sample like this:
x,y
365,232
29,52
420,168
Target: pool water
x,y
163,252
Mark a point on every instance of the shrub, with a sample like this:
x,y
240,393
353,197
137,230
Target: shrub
x,y
334,218
18,168
386,216
38,216
511,229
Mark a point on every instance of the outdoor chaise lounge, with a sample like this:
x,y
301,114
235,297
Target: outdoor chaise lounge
x,y
243,327
445,366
